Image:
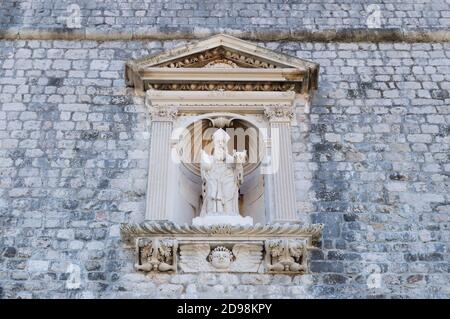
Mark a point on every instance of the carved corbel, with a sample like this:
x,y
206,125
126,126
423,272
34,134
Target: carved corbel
x,y
285,255
156,254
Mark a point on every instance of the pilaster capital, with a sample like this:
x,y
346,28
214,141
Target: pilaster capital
x,y
279,114
163,113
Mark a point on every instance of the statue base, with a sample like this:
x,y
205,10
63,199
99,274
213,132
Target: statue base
x,y
223,220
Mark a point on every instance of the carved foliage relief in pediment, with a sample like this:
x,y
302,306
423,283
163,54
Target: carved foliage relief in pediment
x,y
220,54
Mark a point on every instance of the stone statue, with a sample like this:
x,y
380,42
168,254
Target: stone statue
x,y
222,175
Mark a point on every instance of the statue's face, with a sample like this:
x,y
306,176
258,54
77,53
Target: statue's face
x,y
221,259
219,152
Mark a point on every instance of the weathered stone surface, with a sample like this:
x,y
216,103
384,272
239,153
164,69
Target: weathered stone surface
x,y
372,166
275,20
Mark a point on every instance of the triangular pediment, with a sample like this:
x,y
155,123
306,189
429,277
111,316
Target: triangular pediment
x,y
223,62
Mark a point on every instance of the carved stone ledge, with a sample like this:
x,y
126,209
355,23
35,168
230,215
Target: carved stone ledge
x,y
132,231
277,248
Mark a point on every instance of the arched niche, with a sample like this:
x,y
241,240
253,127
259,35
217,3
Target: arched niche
x,y
193,134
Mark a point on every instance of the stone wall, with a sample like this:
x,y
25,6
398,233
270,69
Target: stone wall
x,y
246,18
372,165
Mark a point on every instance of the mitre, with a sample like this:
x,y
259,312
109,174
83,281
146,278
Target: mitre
x,y
221,135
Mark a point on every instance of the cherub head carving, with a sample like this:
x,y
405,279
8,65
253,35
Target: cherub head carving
x,y
220,257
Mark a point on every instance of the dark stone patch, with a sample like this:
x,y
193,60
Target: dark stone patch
x,y
365,85
316,254
335,255
355,94
16,154
92,265
114,277
324,266
83,234
10,252
351,217
89,135
323,148
64,276
102,184
333,279
439,94
331,206
52,81
414,279
398,177
122,100
328,196
331,221
410,257
444,130
106,135
70,204
94,276
431,257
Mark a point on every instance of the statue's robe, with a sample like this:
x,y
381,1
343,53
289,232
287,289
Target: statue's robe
x,y
221,188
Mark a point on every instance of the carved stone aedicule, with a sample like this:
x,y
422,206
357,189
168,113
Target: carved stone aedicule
x,y
154,254
286,255
212,205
